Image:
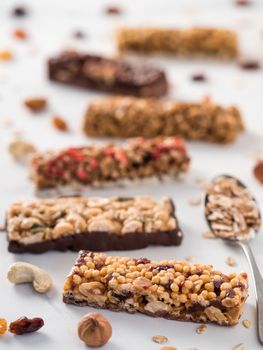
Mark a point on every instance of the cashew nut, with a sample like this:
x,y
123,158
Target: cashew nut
x,y
22,272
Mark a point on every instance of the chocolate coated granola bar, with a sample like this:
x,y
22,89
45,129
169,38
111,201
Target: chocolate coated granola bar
x,y
107,74
130,116
94,165
172,289
97,224
191,42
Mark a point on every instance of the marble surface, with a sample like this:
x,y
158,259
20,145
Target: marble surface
x,y
50,25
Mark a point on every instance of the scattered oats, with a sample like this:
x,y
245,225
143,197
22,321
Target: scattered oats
x,y
231,261
201,329
20,149
208,234
240,346
246,323
160,339
194,201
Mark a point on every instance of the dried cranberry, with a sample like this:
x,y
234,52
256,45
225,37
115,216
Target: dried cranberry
x,y
82,173
26,325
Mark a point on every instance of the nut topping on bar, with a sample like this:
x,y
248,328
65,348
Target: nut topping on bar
x,y
130,116
53,219
179,290
191,42
137,158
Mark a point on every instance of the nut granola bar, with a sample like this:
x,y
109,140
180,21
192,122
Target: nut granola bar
x,y
93,165
172,289
107,74
205,42
130,116
96,224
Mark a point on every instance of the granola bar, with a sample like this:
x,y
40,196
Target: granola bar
x,y
172,289
94,165
97,224
107,74
191,42
130,116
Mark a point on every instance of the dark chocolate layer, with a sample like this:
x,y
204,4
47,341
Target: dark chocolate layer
x,y
99,241
110,75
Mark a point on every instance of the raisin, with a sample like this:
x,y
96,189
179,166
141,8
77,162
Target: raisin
x,y
142,261
230,293
113,10
198,77
19,11
26,325
250,65
162,267
3,326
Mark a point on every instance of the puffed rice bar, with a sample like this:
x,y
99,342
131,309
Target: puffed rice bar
x,y
172,289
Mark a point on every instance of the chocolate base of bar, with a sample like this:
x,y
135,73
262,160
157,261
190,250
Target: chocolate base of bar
x,y
99,241
192,316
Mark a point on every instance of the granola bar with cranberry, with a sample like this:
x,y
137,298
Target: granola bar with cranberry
x,y
171,289
95,165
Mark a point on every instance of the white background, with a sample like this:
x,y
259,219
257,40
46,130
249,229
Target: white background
x,y
50,25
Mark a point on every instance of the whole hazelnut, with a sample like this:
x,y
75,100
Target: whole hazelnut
x,y
94,329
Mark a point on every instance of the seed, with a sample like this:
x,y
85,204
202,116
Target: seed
x,y
201,329
246,323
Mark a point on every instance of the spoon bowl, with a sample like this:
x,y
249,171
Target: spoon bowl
x,y
241,239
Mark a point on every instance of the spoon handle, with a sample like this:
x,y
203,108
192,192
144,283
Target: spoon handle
x,y
258,281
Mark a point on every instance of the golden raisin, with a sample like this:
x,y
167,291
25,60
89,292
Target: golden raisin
x,y
59,123
3,326
6,55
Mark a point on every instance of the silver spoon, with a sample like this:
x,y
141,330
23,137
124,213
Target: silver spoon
x,y
243,242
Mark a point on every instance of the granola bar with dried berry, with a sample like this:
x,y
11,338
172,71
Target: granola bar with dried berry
x,y
217,43
138,158
172,289
91,223
107,74
131,116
